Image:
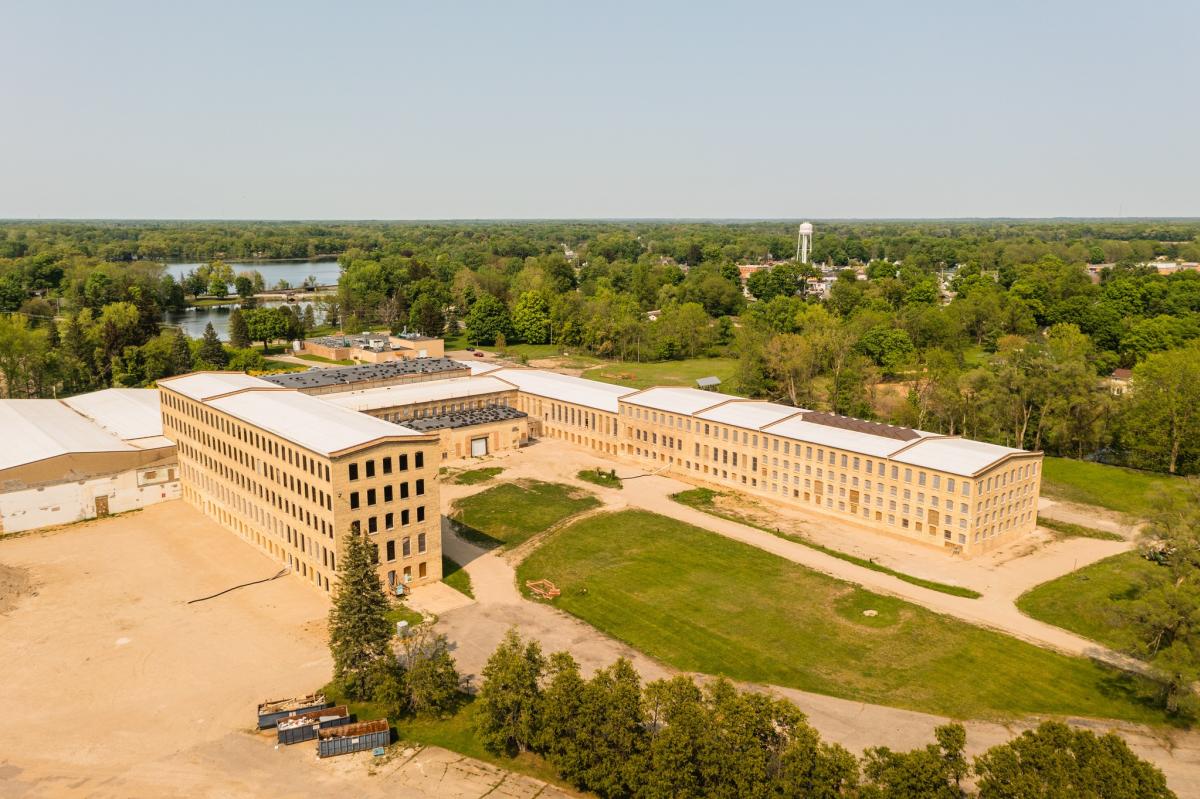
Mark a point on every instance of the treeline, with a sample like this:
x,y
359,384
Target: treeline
x,y
612,736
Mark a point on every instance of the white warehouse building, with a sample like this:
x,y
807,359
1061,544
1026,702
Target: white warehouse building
x,y
67,460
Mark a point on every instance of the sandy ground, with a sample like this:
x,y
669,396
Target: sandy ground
x,y
476,628
113,686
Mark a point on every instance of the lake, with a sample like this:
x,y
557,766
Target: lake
x,y
294,272
194,320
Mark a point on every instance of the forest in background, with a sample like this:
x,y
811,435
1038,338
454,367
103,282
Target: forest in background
x,y
990,329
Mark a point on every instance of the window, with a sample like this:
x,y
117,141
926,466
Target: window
x,y
404,517
354,471
421,542
420,488
387,493
353,500
419,460
420,513
404,491
406,547
370,468
387,465
391,550
402,463
370,496
389,521
373,524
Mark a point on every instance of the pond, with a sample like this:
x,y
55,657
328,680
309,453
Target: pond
x,y
326,272
193,320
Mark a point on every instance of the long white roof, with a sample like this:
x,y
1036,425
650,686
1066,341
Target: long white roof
x,y
36,429
202,386
828,436
677,400
482,367
565,388
955,455
371,399
127,413
748,413
310,422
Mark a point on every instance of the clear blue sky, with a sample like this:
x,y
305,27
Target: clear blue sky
x,y
439,109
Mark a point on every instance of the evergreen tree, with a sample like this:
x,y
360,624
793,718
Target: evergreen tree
x,y
359,631
211,351
558,733
507,705
181,353
431,677
310,318
53,336
239,334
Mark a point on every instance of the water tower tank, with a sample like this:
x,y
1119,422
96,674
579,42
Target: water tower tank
x,y
806,228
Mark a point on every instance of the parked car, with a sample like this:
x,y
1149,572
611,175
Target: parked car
x,y
478,354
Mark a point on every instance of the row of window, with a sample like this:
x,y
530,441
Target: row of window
x,y
371,495
385,465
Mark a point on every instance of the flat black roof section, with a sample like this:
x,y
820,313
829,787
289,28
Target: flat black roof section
x,y
347,375
469,418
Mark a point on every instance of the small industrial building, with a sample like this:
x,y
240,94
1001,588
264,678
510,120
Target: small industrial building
x,y
374,347
63,461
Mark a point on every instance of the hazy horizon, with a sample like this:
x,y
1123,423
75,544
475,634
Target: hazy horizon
x,y
628,111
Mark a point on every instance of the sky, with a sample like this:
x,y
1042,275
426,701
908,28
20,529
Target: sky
x,y
511,109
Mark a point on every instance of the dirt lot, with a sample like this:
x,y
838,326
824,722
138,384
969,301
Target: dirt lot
x,y
113,686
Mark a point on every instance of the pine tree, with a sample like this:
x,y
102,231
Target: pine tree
x,y
53,337
239,334
507,705
310,318
359,631
181,353
211,351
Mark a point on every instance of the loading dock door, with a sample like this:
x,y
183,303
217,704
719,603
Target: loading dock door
x,y
479,447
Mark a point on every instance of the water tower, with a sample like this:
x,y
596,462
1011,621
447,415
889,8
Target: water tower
x,y
804,242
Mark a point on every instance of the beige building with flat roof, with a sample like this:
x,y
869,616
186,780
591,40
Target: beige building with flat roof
x,y
291,473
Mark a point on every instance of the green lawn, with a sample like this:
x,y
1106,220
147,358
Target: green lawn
x,y
402,612
1112,487
600,477
456,577
705,603
283,366
1069,530
510,513
702,500
473,476
308,356
666,373
1089,601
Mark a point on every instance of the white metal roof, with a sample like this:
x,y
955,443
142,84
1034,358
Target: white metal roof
x,y
411,393
36,429
955,455
565,388
482,367
825,435
307,421
201,386
127,413
677,400
748,413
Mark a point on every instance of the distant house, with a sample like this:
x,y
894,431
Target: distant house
x,y
1118,381
708,383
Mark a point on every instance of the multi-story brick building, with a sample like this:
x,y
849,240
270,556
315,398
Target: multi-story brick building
x,y
290,473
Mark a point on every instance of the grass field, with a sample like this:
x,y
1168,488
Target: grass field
x,y
666,373
1069,530
1089,601
702,499
402,612
510,513
705,603
456,577
600,477
474,476
1112,487
283,366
